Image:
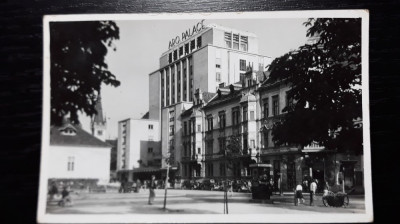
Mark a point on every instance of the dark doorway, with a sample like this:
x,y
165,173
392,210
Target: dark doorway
x,y
291,175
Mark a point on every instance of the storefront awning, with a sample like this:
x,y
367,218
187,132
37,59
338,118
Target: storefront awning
x,y
146,170
260,165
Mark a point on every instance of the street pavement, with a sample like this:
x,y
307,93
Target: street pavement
x,y
194,202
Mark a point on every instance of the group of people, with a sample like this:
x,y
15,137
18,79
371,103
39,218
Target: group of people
x,y
299,192
65,194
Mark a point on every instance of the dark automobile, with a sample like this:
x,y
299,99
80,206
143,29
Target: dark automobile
x,y
206,184
126,187
188,184
217,186
241,186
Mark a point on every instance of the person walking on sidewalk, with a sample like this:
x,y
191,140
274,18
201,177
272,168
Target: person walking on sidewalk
x,y
313,190
152,186
299,193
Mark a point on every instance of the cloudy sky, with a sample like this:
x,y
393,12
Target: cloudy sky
x,y
142,42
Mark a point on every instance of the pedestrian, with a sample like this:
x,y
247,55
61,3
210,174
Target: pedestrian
x,y
313,190
299,193
138,185
53,190
66,198
230,188
152,186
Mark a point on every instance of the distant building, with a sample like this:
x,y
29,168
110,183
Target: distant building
x,y
113,157
77,156
99,123
138,147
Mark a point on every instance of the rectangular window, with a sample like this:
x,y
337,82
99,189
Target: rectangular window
x,y
245,118
175,55
218,66
266,139
150,126
171,130
198,42
243,43
170,57
99,132
235,116
185,128
245,144
222,120
236,41
168,86
218,77
173,85
198,128
252,115
266,108
289,100
198,150
186,48
252,143
275,105
162,89
150,150
192,45
71,163
228,40
180,51
210,123
222,144
242,65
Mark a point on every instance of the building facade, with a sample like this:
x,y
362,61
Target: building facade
x,y
203,59
211,93
76,155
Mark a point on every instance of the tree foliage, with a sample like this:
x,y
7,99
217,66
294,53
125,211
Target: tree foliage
x,y
78,67
325,80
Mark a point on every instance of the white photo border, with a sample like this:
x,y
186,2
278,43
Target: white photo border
x,y
43,217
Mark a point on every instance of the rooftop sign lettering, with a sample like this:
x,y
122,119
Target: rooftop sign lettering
x,y
188,33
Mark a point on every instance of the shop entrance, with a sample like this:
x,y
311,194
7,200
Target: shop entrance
x,y
291,175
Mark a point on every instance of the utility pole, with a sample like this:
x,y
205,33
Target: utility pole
x,y
166,180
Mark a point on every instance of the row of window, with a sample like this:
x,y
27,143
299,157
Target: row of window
x,y
235,118
184,50
171,82
236,41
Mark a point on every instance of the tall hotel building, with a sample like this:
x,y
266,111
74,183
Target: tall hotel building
x,y
210,56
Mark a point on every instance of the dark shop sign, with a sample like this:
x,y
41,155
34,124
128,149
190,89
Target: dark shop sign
x,y
188,33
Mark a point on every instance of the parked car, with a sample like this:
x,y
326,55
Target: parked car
x,y
126,187
218,186
206,184
188,184
241,186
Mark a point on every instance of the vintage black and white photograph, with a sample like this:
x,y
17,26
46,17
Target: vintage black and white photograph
x,y
214,117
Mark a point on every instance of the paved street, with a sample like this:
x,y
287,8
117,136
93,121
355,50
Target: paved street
x,y
194,202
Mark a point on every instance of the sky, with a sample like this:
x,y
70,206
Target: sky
x,y
142,42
